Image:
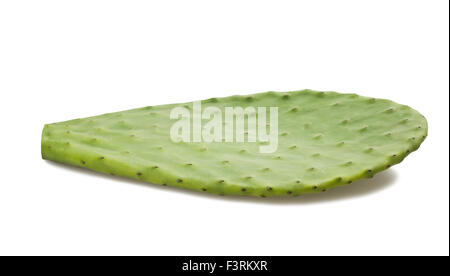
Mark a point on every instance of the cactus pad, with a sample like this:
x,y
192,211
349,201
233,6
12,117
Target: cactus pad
x,y
325,140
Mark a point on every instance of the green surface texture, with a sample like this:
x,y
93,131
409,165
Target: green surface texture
x,y
326,139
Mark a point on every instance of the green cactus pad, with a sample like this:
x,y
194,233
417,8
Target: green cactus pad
x,y
326,139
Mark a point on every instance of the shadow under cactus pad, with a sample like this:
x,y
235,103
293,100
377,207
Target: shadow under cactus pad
x,y
325,140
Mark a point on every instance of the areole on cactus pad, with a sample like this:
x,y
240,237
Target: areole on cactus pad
x,y
325,140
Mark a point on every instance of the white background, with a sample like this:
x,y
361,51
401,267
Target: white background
x,y
62,60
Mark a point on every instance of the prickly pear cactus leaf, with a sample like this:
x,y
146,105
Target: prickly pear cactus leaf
x,y
325,140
